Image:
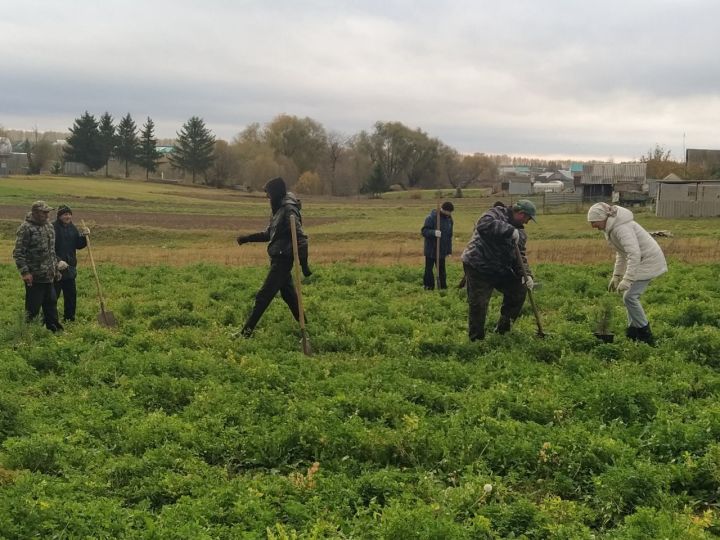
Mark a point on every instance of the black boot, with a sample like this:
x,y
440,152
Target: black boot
x,y
503,325
246,332
632,333
644,334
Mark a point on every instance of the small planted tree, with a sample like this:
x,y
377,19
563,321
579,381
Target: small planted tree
x,y
603,321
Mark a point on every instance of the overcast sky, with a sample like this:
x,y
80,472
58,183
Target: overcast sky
x,y
560,78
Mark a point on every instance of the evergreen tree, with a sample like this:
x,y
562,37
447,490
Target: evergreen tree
x,y
108,139
127,142
194,148
83,144
148,155
376,183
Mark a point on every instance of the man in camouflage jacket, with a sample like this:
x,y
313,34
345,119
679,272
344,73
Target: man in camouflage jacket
x,y
37,263
490,263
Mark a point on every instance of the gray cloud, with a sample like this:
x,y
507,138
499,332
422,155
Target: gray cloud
x,y
524,77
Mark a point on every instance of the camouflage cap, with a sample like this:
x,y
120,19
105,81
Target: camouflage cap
x,y
42,206
525,206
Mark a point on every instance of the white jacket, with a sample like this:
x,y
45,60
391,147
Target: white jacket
x,y
639,256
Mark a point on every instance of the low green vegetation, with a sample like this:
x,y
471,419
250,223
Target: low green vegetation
x,y
397,427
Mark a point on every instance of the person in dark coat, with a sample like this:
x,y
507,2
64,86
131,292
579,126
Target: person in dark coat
x,y
285,206
37,263
490,263
67,240
431,233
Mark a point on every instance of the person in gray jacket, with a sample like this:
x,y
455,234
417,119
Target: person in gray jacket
x,y
285,207
638,260
490,263
37,263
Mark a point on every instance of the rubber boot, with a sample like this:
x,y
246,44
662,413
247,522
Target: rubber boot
x,y
632,333
503,325
645,335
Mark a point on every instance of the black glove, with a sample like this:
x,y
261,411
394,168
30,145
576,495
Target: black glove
x,y
241,240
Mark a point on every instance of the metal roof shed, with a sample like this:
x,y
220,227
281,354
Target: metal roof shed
x,y
678,198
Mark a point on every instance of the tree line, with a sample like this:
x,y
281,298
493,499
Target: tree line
x,y
94,142
312,158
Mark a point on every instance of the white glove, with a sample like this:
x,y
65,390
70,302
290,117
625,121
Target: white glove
x,y
614,282
84,231
528,282
515,236
62,266
623,286
438,233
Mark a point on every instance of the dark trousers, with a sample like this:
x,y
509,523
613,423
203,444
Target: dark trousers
x,y
479,291
429,279
67,289
42,295
279,278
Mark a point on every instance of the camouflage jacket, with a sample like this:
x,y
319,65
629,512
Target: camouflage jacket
x,y
34,251
491,250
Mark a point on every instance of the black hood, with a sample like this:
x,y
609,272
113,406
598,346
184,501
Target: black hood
x,y
276,190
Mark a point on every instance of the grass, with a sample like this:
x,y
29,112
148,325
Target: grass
x,y
168,427
136,222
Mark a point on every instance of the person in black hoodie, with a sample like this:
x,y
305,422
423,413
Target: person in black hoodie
x,y
67,240
285,206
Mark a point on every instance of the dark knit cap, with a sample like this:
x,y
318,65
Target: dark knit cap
x,y
448,206
63,209
276,188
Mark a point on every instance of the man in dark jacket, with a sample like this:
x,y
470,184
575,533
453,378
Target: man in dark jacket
x,y
431,233
35,259
67,240
490,263
285,207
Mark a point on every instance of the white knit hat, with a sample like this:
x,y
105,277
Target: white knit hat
x,y
600,212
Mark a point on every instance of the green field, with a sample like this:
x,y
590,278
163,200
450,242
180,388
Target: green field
x,y
140,223
167,427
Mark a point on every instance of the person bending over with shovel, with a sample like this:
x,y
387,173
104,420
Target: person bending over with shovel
x,y
285,207
490,262
638,259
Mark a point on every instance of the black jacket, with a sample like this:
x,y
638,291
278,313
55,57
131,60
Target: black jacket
x,y
278,231
428,231
67,240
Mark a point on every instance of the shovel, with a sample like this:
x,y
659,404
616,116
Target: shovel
x,y
540,332
104,318
303,332
437,247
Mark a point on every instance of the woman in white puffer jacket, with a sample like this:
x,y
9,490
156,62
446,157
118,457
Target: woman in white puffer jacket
x,y
638,260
